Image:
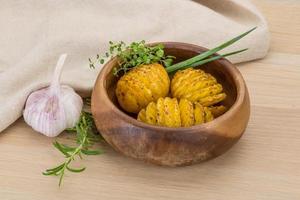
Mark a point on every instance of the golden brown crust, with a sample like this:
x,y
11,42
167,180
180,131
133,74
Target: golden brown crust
x,y
197,86
168,112
142,85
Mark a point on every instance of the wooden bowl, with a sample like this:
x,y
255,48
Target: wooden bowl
x,y
173,146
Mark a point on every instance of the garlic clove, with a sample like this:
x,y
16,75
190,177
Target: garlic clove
x,y
53,109
71,102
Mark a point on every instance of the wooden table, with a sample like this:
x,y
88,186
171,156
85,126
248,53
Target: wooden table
x,y
265,164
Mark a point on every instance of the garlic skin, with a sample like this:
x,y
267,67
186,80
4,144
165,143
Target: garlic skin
x,y
53,109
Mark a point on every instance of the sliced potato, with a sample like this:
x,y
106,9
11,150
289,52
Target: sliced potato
x,y
186,113
142,85
217,110
197,86
168,112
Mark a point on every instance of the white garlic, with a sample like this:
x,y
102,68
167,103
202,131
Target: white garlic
x,y
53,109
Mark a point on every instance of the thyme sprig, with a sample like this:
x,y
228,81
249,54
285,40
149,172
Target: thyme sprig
x,y
85,132
133,55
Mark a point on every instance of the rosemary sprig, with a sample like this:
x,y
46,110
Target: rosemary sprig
x,y
85,139
204,55
133,55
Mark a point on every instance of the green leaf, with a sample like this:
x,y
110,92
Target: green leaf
x,y
111,50
61,149
56,168
60,179
67,148
75,170
135,48
168,62
139,60
91,152
160,53
145,57
132,62
50,173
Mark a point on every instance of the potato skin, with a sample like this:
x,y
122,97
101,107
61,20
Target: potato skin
x,y
197,86
142,85
187,114
168,112
217,110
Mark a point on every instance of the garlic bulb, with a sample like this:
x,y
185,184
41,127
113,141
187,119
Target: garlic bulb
x,y
53,109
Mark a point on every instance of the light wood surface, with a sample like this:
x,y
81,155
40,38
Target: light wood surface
x,y
264,164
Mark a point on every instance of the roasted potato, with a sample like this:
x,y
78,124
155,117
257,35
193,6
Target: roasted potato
x,y
197,86
142,85
168,112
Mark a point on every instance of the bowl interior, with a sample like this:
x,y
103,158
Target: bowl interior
x,y
220,69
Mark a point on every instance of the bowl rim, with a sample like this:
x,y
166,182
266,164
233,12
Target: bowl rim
x,y
232,69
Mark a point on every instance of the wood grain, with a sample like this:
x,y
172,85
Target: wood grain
x,y
264,164
172,146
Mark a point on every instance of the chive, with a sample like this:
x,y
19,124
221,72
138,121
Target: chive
x,y
201,62
206,54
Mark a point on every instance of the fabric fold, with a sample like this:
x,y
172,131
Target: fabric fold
x,y
35,33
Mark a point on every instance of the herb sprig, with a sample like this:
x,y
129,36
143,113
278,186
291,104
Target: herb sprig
x,y
205,56
85,139
133,55
138,53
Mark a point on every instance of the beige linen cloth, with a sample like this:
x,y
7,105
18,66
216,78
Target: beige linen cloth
x,y
34,33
